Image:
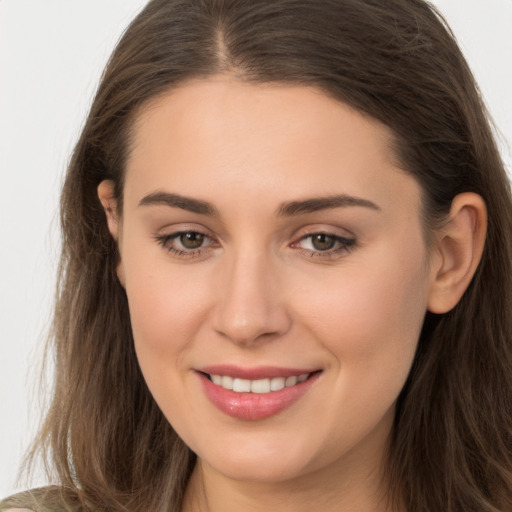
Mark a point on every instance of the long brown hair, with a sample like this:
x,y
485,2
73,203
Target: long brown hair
x,y
396,61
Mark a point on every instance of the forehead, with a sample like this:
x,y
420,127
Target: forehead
x,y
221,135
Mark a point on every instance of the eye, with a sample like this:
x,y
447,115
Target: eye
x,y
187,244
324,244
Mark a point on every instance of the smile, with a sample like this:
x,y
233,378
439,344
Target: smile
x,y
260,386
255,394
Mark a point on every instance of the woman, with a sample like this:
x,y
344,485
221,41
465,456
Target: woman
x,y
286,277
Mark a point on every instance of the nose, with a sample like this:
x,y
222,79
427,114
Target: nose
x,y
250,308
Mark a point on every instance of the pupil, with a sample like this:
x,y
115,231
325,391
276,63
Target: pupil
x,y
191,240
323,242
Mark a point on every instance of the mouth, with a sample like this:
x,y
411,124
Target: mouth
x,y
255,394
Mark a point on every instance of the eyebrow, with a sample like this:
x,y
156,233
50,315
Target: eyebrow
x,y
288,209
323,203
177,201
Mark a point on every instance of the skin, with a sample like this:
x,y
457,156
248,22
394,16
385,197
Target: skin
x,y
260,293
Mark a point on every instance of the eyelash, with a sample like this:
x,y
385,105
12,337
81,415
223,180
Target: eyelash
x,y
344,245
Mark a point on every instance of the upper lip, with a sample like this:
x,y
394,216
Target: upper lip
x,y
254,373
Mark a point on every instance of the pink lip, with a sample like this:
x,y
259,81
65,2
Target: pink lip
x,y
254,406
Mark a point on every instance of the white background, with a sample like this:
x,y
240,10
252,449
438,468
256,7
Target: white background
x,y
51,55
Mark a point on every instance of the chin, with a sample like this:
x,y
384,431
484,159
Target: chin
x,y
265,463
270,471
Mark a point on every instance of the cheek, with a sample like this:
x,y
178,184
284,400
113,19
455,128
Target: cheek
x,y
166,306
369,319
166,312
369,315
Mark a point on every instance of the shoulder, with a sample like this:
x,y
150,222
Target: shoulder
x,y
43,499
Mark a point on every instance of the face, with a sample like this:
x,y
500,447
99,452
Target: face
x,y
269,244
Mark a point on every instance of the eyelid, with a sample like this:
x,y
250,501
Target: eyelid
x,y
175,229
315,229
339,238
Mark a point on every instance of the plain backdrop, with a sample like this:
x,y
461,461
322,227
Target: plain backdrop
x,y
51,56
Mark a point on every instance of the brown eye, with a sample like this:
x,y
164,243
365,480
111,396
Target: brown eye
x,y
323,242
192,240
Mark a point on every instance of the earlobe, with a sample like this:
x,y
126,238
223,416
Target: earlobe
x,y
459,248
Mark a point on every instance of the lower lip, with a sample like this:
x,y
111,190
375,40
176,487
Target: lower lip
x,y
254,406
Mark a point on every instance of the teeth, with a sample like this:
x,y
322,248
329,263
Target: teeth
x,y
226,382
260,386
242,385
277,383
290,381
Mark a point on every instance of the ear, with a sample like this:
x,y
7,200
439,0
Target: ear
x,y
459,247
109,203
